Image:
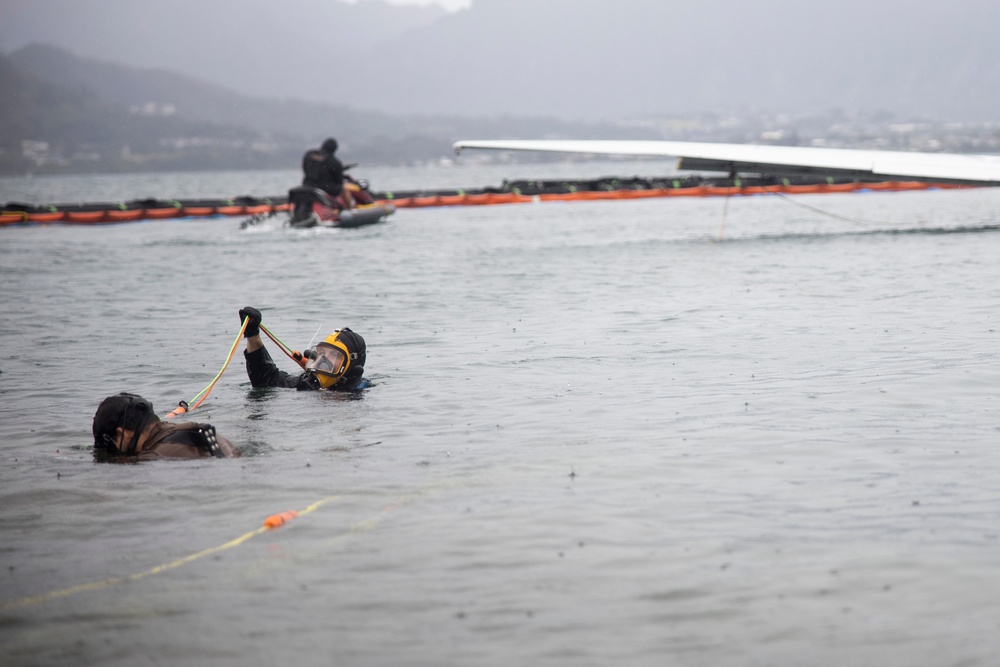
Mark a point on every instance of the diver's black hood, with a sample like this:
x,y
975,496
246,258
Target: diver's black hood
x,y
127,411
355,344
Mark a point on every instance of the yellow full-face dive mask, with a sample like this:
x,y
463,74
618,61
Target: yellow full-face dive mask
x,y
330,362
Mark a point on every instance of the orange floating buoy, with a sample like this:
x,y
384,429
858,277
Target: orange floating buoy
x,y
276,520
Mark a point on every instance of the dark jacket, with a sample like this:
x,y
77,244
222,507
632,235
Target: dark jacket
x,y
323,170
263,372
180,441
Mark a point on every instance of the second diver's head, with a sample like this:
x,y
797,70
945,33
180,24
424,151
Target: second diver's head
x,y
120,420
339,359
329,146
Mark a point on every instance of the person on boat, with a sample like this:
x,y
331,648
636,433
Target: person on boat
x,y
125,427
323,170
337,363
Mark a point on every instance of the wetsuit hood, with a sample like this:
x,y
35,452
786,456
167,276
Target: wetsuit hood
x,y
126,411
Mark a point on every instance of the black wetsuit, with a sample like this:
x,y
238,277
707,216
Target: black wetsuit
x,y
264,373
324,171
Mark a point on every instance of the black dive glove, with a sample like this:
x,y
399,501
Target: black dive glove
x,y
253,326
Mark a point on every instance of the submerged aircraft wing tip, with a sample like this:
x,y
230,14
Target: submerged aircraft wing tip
x,y
861,163
462,144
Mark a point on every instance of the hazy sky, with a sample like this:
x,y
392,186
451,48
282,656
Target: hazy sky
x,y
652,58
450,5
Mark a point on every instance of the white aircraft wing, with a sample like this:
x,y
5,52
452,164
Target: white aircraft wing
x,y
780,160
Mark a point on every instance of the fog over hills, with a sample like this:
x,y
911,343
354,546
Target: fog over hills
x,y
576,59
62,112
291,48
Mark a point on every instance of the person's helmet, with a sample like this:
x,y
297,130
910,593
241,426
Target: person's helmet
x,y
329,146
341,357
125,411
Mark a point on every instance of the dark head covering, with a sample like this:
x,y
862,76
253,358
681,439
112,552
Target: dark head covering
x,y
126,411
329,146
356,346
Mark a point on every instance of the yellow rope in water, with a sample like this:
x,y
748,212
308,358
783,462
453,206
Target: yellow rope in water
x,y
853,221
207,390
269,524
200,397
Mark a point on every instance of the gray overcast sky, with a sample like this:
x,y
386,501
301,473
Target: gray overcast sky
x,y
650,58
450,5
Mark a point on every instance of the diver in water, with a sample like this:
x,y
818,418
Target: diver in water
x,y
126,426
323,170
337,363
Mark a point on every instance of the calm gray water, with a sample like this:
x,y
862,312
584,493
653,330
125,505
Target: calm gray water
x,y
627,433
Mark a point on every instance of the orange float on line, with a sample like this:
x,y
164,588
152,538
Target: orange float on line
x,y
51,216
721,191
198,211
163,213
84,216
802,189
12,218
128,215
276,520
645,194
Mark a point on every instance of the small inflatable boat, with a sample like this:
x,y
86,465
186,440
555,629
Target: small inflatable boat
x,y
312,207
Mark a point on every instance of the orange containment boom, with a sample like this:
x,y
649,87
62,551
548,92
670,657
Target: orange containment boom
x,y
609,190
133,211
510,192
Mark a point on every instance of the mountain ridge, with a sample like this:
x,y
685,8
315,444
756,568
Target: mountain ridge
x,y
165,120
